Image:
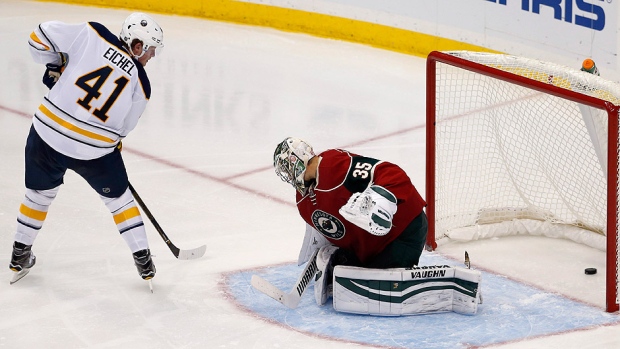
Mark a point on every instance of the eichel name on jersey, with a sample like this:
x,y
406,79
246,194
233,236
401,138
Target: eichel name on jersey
x,y
119,59
100,95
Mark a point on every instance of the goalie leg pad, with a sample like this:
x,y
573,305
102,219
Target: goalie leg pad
x,y
400,291
468,281
324,275
313,240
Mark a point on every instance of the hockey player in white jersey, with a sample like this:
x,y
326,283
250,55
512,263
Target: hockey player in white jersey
x,y
98,91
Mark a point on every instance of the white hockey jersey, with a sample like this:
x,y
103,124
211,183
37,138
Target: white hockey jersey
x,y
100,95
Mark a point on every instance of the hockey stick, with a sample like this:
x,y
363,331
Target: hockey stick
x,y
291,299
180,254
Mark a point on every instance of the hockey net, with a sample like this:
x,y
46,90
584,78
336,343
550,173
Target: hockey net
x,y
520,146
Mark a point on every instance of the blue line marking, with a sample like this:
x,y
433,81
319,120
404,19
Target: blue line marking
x,y
511,312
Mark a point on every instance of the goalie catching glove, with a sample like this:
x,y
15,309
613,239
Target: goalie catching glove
x,y
372,210
53,72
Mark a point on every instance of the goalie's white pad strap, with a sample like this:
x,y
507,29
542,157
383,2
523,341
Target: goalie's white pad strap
x,y
313,240
400,291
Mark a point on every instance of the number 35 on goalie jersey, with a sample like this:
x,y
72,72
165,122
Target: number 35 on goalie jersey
x,y
100,95
360,174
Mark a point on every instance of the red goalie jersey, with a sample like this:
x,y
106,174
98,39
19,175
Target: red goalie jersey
x,y
341,174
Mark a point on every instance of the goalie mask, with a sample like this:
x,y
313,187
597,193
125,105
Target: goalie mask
x,y
290,161
144,28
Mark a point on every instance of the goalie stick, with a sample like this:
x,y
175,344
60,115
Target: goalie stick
x,y
180,254
291,299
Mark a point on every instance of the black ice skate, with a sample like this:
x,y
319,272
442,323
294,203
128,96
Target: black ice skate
x,y
22,260
144,263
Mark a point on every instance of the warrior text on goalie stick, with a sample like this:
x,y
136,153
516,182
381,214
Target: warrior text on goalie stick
x,y
292,298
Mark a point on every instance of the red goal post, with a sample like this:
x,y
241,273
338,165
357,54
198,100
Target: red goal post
x,y
520,146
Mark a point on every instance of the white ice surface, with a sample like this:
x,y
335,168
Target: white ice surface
x,y
223,96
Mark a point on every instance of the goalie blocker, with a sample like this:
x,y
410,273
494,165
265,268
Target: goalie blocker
x,y
395,292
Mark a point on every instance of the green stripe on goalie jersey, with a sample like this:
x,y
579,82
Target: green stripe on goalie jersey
x,y
375,286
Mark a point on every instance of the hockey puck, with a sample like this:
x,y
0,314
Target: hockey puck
x,y
590,271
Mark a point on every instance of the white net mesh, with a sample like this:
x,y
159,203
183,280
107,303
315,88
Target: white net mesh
x,y
513,160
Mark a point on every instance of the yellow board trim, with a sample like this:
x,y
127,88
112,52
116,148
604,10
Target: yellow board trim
x,y
126,215
32,213
72,127
377,35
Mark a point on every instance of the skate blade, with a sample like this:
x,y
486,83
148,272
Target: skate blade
x,y
150,284
18,275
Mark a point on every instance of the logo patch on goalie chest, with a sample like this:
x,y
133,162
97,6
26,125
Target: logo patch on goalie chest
x,y
328,225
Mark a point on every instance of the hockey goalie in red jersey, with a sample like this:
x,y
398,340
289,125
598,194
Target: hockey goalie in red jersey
x,y
367,222
366,207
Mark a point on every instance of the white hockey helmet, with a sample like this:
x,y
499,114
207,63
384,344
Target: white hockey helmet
x,y
144,28
290,160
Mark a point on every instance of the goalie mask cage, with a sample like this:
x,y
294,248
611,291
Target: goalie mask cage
x,y
520,146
